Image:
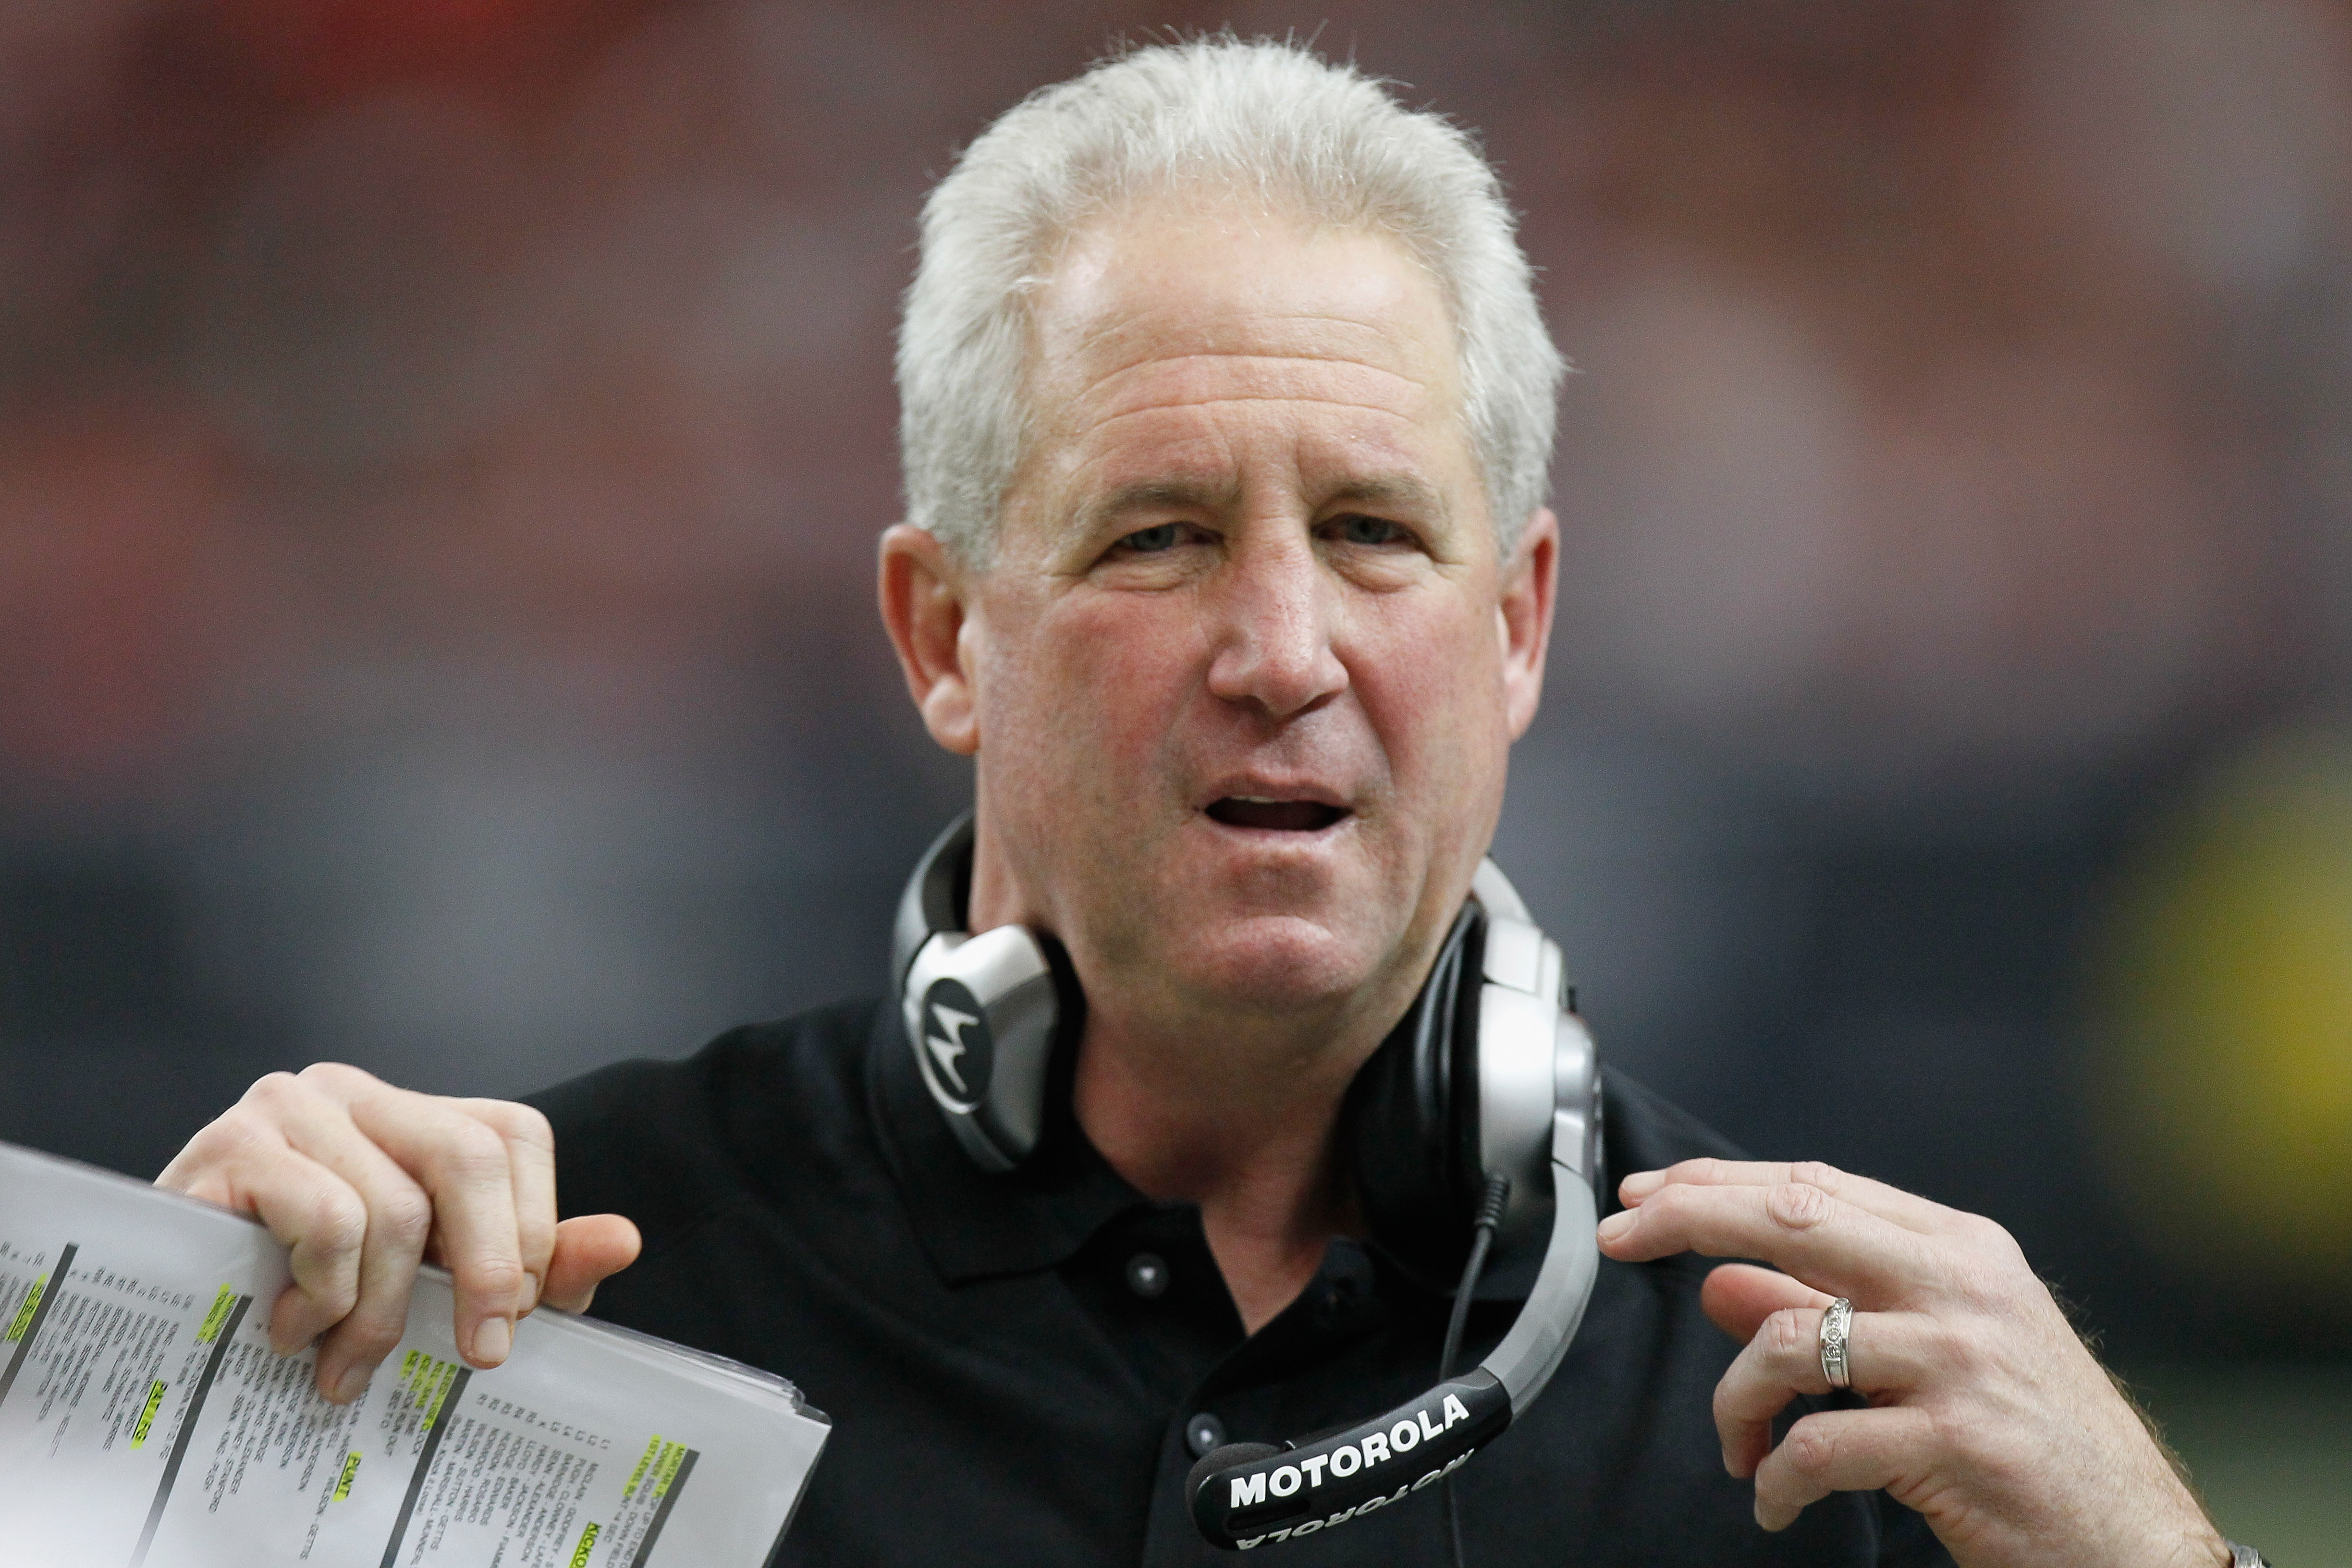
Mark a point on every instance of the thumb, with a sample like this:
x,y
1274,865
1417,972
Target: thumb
x,y
1739,1296
587,1249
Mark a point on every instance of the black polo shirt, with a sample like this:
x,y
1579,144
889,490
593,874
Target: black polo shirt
x,y
1021,1368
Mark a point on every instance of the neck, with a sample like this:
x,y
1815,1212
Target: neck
x,y
1233,1107
1250,1140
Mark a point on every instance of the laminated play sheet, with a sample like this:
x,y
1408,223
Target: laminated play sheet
x,y
145,1422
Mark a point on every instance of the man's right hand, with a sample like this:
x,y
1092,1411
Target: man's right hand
x,y
364,1181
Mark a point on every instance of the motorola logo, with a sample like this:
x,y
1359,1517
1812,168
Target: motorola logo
x,y
957,1055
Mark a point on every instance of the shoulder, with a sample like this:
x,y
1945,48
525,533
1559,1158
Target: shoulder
x,y
669,1142
1642,1130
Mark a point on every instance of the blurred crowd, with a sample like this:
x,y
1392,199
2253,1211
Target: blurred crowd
x,y
442,447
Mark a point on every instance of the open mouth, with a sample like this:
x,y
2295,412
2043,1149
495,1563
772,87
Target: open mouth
x,y
1274,816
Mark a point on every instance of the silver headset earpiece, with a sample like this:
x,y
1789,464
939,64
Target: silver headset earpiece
x,y
1537,1060
979,1010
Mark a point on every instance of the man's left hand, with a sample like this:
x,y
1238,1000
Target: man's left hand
x,y
1987,1414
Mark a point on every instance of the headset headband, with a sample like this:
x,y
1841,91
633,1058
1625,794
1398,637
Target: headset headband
x,y
982,1012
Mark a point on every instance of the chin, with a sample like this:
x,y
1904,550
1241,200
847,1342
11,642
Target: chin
x,y
1277,963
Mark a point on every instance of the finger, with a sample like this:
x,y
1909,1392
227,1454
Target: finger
x,y
399,1216
322,1220
1893,1203
1886,1353
531,1155
1842,1451
464,1167
229,1142
588,1250
1739,1296
1799,1228
242,1162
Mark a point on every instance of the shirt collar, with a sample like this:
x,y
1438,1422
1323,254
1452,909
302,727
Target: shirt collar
x,y
974,1225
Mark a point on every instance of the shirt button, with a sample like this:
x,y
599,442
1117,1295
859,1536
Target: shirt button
x,y
1204,1434
1147,1275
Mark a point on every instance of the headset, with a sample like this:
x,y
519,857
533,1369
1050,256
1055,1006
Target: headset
x,y
1479,1115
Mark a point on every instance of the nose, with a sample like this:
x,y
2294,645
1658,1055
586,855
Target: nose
x,y
1275,609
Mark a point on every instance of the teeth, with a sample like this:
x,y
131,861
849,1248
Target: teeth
x,y
1257,800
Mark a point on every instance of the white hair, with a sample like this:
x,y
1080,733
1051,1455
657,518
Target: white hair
x,y
1264,120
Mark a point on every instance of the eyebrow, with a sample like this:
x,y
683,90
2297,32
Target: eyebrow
x,y
1154,495
1406,490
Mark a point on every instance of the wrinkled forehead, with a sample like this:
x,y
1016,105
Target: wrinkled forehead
x,y
1195,273
1166,314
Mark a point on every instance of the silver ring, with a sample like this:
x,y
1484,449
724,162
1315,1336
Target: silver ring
x,y
1837,1323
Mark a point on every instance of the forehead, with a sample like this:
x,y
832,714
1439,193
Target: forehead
x,y
1177,327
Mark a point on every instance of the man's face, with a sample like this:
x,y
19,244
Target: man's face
x,y
1246,666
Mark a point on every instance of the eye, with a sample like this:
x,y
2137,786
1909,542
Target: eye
x,y
1153,540
1369,531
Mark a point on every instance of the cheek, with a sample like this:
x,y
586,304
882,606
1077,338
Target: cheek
x,y
1434,685
1091,686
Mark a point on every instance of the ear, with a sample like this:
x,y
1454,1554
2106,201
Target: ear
x,y
1523,617
923,593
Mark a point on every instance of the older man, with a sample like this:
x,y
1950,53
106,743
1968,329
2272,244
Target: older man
x,y
1227,414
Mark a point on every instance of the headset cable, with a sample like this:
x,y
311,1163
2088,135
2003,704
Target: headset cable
x,y
1491,1201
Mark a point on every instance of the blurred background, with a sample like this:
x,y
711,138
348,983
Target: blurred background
x,y
442,447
